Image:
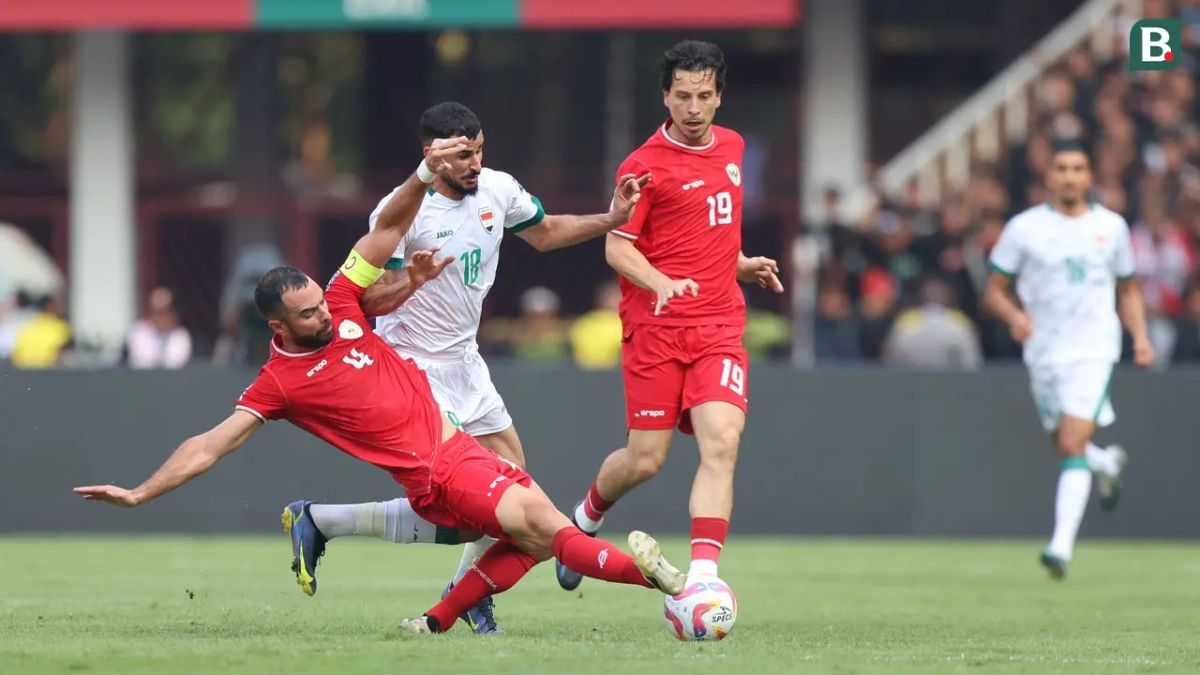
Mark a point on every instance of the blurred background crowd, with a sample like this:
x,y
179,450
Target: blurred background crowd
x,y
253,151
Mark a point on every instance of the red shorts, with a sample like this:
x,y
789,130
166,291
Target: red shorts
x,y
669,370
467,483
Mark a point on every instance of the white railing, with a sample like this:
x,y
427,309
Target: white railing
x,y
985,124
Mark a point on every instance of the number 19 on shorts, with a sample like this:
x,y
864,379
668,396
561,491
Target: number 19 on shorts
x,y
733,377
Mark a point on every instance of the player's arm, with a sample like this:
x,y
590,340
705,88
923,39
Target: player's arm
x,y
192,458
759,270
396,286
1133,315
624,257
397,215
561,231
998,300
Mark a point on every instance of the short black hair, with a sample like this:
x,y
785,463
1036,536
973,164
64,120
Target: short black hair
x,y
693,56
449,120
1069,145
268,294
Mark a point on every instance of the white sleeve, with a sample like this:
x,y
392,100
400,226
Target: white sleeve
x,y
522,209
1123,265
1006,256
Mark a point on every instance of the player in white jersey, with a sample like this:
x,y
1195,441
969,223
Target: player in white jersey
x,y
1074,272
463,219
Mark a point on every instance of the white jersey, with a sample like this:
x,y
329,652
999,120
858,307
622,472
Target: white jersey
x,y
440,320
1066,270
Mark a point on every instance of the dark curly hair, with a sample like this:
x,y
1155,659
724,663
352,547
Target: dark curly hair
x,y
693,56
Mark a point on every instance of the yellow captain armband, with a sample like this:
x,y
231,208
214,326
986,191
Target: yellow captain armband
x,y
360,271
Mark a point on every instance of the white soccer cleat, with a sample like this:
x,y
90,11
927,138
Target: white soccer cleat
x,y
1110,486
654,566
416,626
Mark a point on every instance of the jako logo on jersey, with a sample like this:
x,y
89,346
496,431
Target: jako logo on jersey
x,y
734,173
444,233
359,361
349,330
317,368
487,218
651,413
1154,44
693,185
602,558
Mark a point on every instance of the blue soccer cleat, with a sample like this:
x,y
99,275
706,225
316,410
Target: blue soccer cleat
x,y
308,544
480,617
568,578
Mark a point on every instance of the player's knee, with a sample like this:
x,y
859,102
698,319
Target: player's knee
x,y
646,465
543,521
720,447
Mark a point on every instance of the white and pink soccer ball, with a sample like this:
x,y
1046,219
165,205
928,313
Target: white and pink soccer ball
x,y
705,610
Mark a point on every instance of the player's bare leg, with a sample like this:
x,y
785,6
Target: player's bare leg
x,y
623,470
718,427
481,617
540,531
1071,439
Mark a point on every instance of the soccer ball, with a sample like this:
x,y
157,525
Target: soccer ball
x,y
705,610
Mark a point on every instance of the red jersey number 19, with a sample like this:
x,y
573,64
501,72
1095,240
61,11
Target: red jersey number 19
x,y
720,209
733,377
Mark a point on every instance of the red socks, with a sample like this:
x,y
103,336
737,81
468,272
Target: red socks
x,y
594,505
708,538
596,558
496,571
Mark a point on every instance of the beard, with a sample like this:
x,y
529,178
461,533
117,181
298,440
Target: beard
x,y
316,340
461,189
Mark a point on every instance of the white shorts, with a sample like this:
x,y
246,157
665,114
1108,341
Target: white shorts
x,y
465,393
1077,390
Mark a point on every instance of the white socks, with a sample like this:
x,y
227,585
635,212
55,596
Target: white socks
x,y
471,554
393,521
1074,486
586,524
1102,460
702,568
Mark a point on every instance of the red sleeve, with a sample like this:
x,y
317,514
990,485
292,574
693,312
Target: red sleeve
x,y
342,293
263,398
633,229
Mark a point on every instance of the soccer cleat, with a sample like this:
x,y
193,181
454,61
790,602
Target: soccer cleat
x,y
568,578
480,617
416,626
308,544
654,566
1110,486
1055,566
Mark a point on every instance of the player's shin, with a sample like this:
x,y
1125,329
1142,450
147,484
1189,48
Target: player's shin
x,y
596,558
393,521
472,552
498,570
1074,486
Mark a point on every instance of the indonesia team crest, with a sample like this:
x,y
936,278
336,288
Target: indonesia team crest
x,y
348,330
487,218
735,174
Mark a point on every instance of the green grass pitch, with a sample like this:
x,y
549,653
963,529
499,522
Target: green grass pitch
x,y
230,605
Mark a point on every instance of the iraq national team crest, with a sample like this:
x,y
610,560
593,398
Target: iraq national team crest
x,y
487,218
735,174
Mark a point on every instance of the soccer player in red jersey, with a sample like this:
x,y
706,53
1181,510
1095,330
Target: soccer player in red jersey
x,y
330,375
682,311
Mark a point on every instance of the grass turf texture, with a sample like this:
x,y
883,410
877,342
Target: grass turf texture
x,y
226,605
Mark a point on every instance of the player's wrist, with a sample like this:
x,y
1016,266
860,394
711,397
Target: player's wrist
x,y
424,173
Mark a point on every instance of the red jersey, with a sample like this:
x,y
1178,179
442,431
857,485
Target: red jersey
x,y
688,224
355,393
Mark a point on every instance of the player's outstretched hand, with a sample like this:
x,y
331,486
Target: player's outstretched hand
x,y
1021,328
442,150
117,496
626,196
1143,352
674,288
762,271
422,267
